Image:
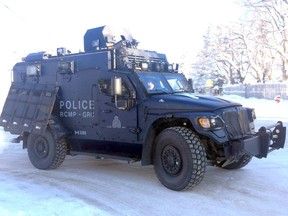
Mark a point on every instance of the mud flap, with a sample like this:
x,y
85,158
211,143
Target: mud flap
x,y
28,108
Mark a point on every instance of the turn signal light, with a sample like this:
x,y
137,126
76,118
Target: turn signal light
x,y
204,122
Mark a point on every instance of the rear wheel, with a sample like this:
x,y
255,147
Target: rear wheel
x,y
179,158
45,152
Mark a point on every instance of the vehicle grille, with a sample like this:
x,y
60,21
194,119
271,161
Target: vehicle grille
x,y
237,123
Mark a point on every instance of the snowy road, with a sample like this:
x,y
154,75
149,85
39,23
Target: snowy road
x,y
86,186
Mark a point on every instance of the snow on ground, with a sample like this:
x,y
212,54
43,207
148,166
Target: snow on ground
x,y
86,186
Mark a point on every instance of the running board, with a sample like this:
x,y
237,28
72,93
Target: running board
x,y
105,156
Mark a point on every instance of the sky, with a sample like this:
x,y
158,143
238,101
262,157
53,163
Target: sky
x,y
171,27
168,26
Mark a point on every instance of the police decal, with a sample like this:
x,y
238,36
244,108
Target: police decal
x,y
116,123
72,108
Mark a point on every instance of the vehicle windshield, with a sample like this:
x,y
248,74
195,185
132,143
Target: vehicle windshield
x,y
156,82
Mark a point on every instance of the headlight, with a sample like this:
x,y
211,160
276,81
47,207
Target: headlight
x,y
144,66
170,67
214,122
33,70
251,114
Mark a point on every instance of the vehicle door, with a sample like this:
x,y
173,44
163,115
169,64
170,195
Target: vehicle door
x,y
116,121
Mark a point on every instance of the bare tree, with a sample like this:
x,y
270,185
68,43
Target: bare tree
x,y
252,50
223,55
270,17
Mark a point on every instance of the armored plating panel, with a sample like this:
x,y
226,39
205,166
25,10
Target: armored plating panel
x,y
28,107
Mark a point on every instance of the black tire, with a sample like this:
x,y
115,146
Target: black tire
x,y
243,161
45,152
179,158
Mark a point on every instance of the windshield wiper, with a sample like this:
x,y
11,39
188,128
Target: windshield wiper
x,y
181,90
158,91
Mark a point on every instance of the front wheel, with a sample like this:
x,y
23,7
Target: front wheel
x,y
179,158
45,152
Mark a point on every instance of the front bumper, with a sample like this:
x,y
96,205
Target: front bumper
x,y
266,140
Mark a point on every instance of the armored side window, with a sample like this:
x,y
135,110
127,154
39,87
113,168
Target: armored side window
x,y
105,86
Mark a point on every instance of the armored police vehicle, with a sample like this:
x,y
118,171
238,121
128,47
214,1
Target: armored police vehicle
x,y
117,101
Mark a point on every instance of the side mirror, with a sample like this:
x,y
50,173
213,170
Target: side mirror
x,y
116,83
116,91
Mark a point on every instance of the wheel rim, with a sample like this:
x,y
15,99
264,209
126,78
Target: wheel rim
x,y
171,160
41,147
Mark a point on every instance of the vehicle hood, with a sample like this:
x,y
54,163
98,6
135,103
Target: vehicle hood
x,y
188,102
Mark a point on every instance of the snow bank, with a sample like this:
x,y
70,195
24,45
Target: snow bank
x,y
265,109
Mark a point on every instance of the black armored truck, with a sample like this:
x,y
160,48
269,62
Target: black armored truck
x,y
114,100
